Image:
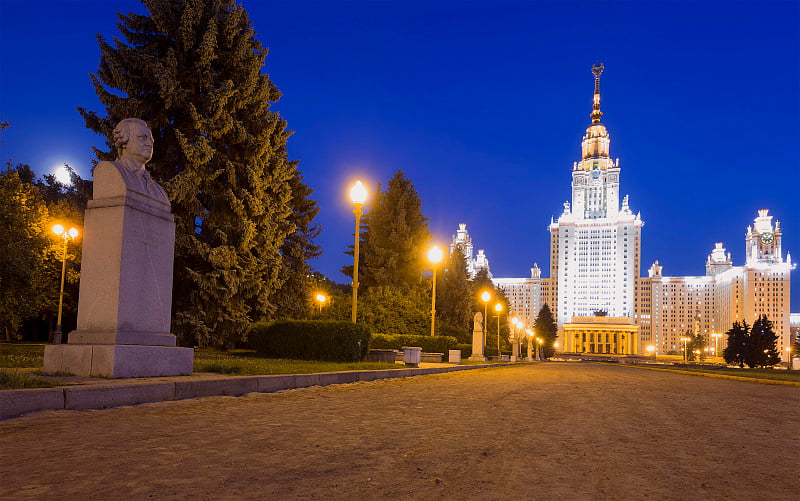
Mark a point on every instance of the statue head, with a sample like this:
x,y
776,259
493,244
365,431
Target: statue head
x,y
133,139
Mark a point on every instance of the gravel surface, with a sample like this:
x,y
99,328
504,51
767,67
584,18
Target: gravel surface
x,y
545,431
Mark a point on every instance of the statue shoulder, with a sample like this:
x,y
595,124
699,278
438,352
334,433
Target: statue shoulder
x,y
108,180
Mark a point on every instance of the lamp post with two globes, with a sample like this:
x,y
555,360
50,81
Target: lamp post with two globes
x,y
358,195
435,255
66,235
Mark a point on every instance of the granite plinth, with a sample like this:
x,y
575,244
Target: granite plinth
x,y
115,360
122,337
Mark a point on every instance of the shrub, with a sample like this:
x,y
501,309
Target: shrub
x,y
326,340
466,351
429,344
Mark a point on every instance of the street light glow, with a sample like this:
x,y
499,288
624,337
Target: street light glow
x,y
358,194
435,254
62,175
58,229
498,307
486,296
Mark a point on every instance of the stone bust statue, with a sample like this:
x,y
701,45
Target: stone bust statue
x,y
478,322
134,143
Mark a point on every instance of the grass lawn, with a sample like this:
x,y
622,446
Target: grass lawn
x,y
247,362
14,355
773,374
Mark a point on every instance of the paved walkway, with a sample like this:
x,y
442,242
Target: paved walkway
x,y
545,431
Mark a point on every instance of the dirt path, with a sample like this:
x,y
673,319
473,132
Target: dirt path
x,y
547,431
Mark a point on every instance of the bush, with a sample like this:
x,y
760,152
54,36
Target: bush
x,y
326,340
429,344
464,336
466,351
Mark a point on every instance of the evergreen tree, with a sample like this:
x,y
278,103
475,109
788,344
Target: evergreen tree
x,y
763,351
697,343
192,71
454,293
546,328
736,349
291,299
395,236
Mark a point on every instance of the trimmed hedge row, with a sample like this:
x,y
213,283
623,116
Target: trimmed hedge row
x,y
429,344
326,340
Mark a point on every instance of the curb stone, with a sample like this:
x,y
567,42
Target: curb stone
x,y
16,403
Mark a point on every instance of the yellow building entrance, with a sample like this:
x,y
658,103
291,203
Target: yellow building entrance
x,y
601,335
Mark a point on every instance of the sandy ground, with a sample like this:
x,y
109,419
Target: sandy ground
x,y
547,431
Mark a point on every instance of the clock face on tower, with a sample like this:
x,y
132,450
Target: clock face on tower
x,y
767,238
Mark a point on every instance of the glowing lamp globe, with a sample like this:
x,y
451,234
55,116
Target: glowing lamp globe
x,y
435,254
486,296
358,194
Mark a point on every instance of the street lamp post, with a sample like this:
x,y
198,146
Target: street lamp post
x,y
685,341
716,336
485,297
66,236
358,195
789,355
539,341
652,349
515,342
498,308
434,256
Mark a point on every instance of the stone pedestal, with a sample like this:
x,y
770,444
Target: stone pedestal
x,y
477,340
125,297
412,355
454,356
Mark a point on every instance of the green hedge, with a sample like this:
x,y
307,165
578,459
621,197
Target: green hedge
x,y
326,340
463,335
429,344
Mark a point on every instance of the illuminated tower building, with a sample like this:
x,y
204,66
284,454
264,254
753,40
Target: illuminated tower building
x,y
595,243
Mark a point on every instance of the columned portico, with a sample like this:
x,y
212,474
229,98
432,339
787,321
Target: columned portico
x,y
601,335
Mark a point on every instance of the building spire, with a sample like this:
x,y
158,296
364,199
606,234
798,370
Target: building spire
x,y
597,70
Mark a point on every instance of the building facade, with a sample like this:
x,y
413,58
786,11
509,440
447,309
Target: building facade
x,y
595,256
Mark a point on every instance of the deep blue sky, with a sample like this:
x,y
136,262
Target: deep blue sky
x,y
483,105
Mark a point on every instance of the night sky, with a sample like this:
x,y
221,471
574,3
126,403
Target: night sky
x,y
483,105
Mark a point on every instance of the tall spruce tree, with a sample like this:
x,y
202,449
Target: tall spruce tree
x,y
738,344
291,299
454,298
192,70
763,350
395,238
546,328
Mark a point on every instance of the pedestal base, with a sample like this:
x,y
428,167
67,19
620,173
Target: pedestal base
x,y
477,358
116,360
